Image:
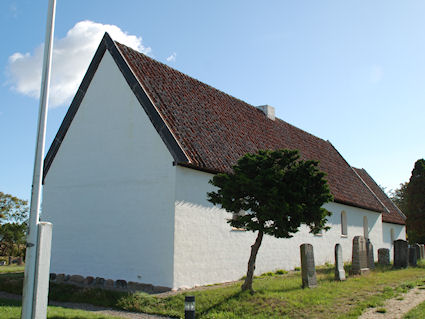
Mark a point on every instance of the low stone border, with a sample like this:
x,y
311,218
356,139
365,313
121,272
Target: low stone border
x,y
109,284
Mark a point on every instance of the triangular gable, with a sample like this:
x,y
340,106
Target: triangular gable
x,y
108,44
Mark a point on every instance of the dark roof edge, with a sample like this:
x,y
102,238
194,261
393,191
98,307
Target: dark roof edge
x,y
370,189
75,104
367,187
395,206
352,204
108,44
160,125
356,205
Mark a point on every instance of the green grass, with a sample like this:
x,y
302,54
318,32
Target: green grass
x,y
11,269
10,309
278,295
416,313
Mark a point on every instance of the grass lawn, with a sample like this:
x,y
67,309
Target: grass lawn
x,y
277,295
416,313
11,309
10,269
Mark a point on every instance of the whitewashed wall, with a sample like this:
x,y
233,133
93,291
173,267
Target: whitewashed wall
x,y
399,233
110,190
207,250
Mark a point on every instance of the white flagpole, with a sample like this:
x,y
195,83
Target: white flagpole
x,y
28,296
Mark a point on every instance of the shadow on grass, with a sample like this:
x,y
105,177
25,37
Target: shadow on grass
x,y
217,305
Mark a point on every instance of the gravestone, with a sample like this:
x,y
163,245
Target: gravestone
x,y
413,260
370,256
359,257
339,264
401,253
422,251
418,251
383,256
308,269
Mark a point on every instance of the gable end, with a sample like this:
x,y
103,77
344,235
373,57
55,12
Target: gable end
x,y
108,44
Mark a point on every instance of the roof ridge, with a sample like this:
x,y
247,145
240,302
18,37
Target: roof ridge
x,y
376,196
395,206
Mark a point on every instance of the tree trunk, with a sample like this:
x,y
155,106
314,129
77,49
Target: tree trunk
x,y
251,263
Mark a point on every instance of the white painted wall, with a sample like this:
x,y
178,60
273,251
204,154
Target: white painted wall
x,y
207,250
110,190
399,233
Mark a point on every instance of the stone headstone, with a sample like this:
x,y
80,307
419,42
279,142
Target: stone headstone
x,y
308,269
383,256
370,256
89,280
339,264
77,279
99,281
422,251
359,257
401,253
60,277
418,251
413,260
121,283
109,283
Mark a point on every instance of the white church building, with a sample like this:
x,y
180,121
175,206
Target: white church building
x,y
126,180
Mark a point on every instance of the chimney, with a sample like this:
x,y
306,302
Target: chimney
x,y
267,110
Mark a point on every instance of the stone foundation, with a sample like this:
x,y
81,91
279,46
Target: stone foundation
x,y
109,284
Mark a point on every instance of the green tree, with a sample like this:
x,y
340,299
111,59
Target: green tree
x,y
415,222
12,209
13,216
399,197
273,193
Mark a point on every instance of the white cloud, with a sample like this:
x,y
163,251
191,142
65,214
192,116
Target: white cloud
x,y
172,57
376,74
71,57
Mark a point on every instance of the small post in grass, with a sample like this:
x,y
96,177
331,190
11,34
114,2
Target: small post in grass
x,y
189,307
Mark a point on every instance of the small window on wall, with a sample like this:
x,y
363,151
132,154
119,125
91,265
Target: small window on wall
x,y
392,236
344,223
365,227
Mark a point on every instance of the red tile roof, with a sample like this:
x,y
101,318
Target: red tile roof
x,y
215,129
392,214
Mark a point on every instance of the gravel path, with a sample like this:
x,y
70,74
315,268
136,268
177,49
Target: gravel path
x,y
395,309
91,308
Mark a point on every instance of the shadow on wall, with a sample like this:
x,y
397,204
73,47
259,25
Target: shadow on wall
x,y
390,234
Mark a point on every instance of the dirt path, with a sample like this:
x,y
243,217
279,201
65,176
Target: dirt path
x,y
91,308
396,308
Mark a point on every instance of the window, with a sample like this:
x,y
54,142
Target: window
x,y
344,223
365,227
392,236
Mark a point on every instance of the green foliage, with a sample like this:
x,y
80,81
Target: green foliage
x,y
278,192
11,309
416,204
13,226
12,209
399,197
416,313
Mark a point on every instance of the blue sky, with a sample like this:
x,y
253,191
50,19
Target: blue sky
x,y
352,72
